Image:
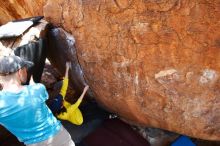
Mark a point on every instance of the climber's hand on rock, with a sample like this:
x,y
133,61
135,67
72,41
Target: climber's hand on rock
x,y
68,65
86,88
84,92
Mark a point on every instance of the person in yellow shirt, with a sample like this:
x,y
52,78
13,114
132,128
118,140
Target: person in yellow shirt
x,y
72,113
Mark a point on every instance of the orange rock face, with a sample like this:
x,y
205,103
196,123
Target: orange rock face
x,y
15,9
155,63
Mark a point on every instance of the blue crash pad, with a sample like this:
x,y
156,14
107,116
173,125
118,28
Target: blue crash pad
x,y
183,141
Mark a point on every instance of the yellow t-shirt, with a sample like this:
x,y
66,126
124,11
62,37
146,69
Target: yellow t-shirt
x,y
73,113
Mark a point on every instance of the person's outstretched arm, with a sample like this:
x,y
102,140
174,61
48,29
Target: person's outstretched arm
x,y
65,80
84,92
79,100
56,103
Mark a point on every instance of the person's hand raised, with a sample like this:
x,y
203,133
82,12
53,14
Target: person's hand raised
x,y
68,65
86,88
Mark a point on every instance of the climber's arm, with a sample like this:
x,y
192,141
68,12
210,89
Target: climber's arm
x,y
78,102
57,103
84,92
65,80
82,96
64,87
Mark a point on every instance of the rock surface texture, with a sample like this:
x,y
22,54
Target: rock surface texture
x,y
153,62
62,49
15,9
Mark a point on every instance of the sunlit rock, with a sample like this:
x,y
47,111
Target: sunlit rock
x,y
155,63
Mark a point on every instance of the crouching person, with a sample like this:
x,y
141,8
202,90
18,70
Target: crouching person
x,y
23,110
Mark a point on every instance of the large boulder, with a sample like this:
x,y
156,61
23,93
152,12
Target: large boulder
x,y
155,62
61,48
15,9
